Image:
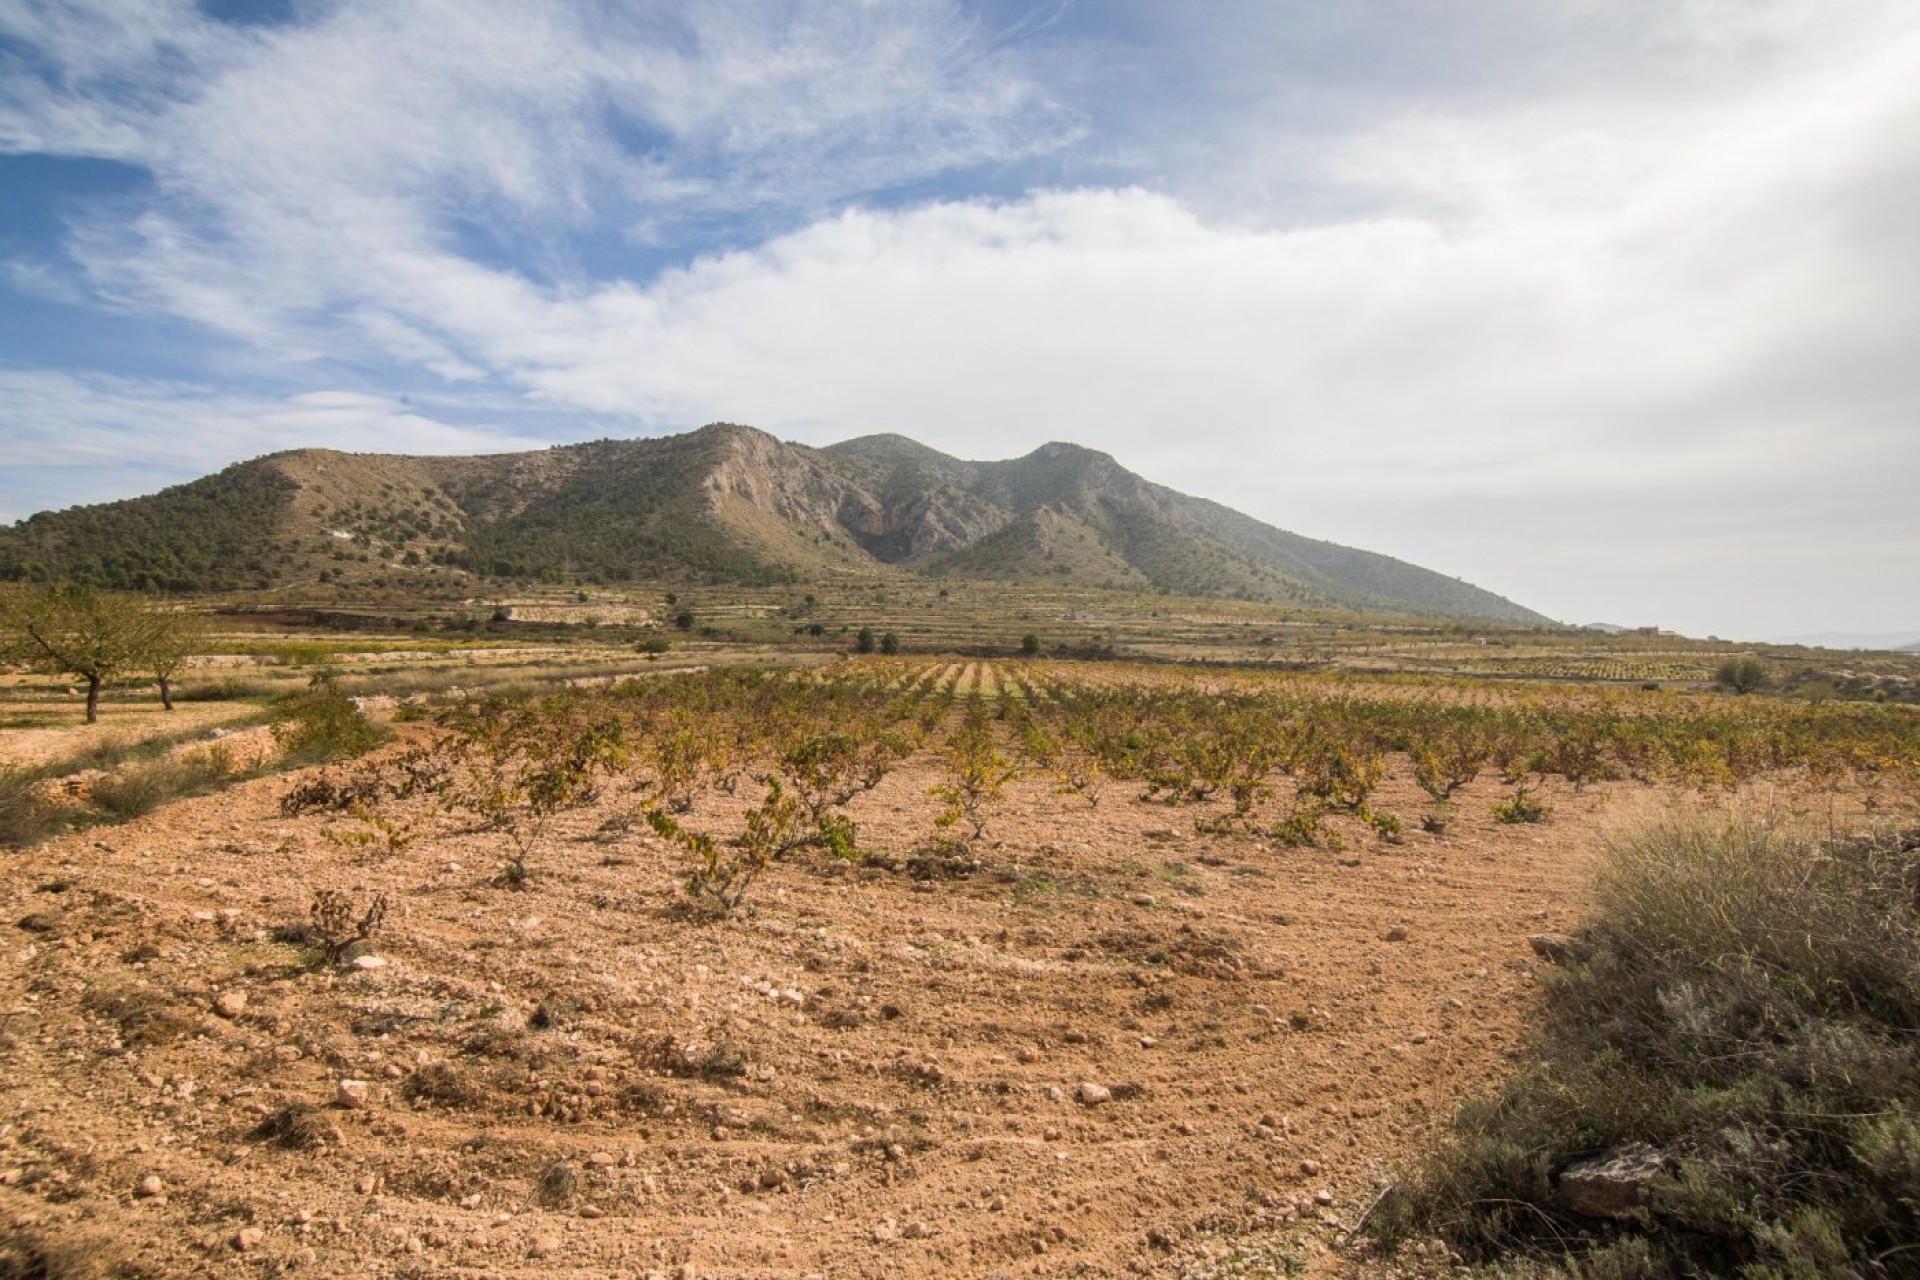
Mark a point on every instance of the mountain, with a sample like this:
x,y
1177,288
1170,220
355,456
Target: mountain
x,y
725,503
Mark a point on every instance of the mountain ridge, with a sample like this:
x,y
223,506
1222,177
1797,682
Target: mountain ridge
x,y
724,502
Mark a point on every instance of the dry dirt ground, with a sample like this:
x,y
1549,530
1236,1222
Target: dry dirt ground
x,y
1113,1047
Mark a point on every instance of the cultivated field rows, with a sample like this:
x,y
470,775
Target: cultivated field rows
x,y
1065,1029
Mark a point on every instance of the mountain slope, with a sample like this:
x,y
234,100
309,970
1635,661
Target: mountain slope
x,y
211,534
726,503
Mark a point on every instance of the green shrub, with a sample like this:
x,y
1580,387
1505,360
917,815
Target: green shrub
x,y
1743,675
1520,807
1747,1009
322,723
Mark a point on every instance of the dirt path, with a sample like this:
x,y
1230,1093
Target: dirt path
x,y
869,1075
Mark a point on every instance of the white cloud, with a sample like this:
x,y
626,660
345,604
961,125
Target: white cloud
x,y
1602,305
350,160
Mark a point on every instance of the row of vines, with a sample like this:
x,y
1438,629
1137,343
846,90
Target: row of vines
x,y
1291,759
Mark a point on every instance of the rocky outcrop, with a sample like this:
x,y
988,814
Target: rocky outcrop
x,y
1614,1184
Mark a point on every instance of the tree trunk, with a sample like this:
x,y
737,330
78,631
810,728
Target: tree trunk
x,y
93,699
166,693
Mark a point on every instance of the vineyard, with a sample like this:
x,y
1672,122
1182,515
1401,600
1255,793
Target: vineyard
x,y
966,966
779,759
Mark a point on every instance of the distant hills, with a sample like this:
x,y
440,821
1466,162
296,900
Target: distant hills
x,y
723,503
1896,641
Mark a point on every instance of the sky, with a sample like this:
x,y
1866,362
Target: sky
x,y
1605,305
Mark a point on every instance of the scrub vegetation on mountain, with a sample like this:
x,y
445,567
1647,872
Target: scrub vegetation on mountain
x,y
722,504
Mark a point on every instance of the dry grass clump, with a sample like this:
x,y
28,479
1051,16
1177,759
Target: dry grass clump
x,y
443,1083
559,1183
41,801
145,1017
1749,1011
143,788
299,1126
28,814
29,1254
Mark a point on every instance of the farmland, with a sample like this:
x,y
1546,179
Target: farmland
x,y
755,958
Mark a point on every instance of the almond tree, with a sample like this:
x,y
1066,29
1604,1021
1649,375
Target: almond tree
x,y
74,631
168,638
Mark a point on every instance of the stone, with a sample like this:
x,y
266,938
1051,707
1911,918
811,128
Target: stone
x,y
916,1231
366,963
354,1095
1612,1184
149,1186
1397,933
545,1247
1091,1094
230,1004
1560,948
247,1239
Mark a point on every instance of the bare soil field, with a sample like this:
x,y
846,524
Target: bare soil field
x,y
1108,1047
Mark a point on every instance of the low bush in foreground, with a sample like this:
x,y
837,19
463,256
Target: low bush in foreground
x,y
322,724
1747,1008
143,788
27,816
